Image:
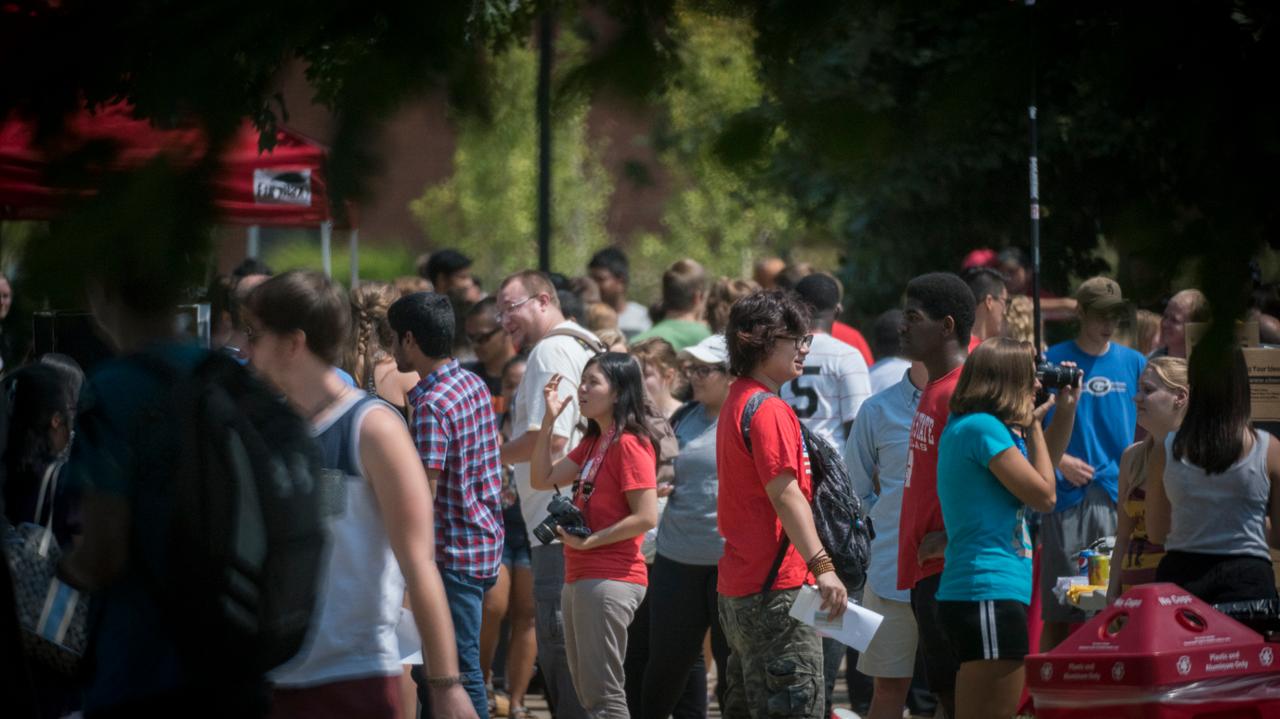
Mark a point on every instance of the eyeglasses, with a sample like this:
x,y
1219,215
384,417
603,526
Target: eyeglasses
x,y
483,337
801,343
503,314
702,371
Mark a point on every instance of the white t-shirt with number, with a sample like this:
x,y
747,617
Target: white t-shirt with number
x,y
553,355
834,385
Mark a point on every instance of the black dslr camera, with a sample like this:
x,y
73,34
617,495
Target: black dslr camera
x,y
1055,376
561,513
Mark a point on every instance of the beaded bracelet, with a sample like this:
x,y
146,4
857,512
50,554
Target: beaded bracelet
x,y
821,564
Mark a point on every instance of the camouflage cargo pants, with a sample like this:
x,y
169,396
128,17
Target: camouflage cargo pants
x,y
775,664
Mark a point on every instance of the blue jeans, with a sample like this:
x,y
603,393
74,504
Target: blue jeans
x,y
466,597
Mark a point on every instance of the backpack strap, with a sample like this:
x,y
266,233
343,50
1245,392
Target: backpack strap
x,y
590,343
748,413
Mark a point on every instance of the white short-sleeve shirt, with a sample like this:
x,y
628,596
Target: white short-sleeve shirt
x,y
553,355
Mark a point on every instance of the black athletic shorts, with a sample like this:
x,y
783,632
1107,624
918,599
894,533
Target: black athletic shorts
x,y
939,659
992,629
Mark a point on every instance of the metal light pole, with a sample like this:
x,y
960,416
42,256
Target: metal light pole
x,y
545,51
1034,171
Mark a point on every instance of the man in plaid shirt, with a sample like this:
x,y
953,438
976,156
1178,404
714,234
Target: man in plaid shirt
x,y
457,437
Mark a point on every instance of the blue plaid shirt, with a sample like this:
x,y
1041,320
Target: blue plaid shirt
x,y
457,435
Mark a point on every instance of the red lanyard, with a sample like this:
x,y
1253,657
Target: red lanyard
x,y
585,484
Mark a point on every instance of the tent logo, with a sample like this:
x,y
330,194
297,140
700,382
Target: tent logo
x,y
1266,657
1184,665
282,187
1117,671
1046,671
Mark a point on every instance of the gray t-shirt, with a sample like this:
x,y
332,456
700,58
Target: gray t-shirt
x,y
1222,513
688,533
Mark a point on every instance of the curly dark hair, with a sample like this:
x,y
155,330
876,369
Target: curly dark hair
x,y
943,294
758,319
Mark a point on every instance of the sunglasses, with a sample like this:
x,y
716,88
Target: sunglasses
x,y
481,338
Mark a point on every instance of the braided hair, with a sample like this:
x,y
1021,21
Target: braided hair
x,y
372,337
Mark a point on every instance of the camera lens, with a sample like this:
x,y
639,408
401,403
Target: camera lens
x,y
546,531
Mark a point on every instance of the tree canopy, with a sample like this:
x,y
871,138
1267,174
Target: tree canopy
x,y
896,130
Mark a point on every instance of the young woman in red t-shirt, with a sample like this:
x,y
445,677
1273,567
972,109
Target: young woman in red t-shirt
x,y
613,477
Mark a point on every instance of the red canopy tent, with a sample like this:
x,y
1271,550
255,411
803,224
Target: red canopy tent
x,y
282,187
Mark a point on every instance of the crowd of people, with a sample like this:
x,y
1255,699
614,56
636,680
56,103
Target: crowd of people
x,y
556,484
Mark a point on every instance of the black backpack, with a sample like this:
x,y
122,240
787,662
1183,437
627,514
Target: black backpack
x,y
241,505
843,526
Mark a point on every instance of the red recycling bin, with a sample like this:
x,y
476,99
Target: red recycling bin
x,y
1158,652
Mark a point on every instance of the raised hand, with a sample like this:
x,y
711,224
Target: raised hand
x,y
554,402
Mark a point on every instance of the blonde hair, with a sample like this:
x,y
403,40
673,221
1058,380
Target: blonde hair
x,y
1146,332
1172,373
612,336
1019,320
601,316
998,378
371,333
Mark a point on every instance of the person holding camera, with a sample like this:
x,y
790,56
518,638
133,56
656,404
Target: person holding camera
x,y
994,461
1089,471
613,472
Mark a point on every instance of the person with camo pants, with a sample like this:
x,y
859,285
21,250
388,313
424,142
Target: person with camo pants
x,y
775,666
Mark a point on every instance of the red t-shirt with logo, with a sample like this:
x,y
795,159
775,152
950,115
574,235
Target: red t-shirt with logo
x,y
628,465
747,520
921,511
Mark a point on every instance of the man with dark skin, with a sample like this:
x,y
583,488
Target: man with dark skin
x,y
937,319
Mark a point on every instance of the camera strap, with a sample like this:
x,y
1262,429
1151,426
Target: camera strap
x,y
585,484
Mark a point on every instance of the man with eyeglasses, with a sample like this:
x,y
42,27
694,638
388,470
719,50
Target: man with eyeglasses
x,y
529,312
992,298
492,345
771,548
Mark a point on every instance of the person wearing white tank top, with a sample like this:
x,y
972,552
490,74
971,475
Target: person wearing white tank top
x,y
380,529
1213,488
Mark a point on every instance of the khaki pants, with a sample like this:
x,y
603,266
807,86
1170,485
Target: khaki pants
x,y
596,615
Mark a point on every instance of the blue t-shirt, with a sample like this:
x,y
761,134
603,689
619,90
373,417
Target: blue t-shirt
x,y
988,547
1106,417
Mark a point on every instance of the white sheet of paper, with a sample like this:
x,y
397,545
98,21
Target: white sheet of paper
x,y
854,629
407,636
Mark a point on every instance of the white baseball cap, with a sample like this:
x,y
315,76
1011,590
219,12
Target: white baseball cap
x,y
711,350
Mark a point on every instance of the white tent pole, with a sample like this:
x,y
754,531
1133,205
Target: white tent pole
x,y
355,256
326,239
253,243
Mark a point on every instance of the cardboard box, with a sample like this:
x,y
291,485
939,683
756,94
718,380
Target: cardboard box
x,y
1264,383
